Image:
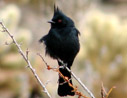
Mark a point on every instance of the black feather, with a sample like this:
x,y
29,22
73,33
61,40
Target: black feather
x,y
62,43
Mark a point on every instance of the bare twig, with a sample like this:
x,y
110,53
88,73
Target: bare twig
x,y
104,94
27,52
6,43
81,83
43,59
48,67
110,91
75,77
78,80
25,57
75,88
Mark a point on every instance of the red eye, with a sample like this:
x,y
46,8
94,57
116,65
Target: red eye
x,y
59,20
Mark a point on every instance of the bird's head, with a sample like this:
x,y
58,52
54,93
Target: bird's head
x,y
60,19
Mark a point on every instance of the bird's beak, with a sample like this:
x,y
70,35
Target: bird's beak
x,y
50,21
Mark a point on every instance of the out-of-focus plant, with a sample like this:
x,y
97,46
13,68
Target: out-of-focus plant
x,y
14,81
11,15
104,47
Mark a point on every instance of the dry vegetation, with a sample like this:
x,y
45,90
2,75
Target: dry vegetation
x,y
102,58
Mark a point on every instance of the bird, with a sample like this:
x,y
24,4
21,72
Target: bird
x,y
62,43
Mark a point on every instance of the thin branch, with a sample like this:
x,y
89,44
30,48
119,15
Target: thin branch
x,y
81,83
75,88
78,80
75,77
64,77
103,92
48,67
25,57
110,91
43,59
27,52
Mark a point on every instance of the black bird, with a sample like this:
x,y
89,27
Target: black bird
x,y
62,44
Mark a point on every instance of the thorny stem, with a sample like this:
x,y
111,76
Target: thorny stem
x,y
25,57
79,81
75,88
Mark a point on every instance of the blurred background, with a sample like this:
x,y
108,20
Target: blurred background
x,y
102,57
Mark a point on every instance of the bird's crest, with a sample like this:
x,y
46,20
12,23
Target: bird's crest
x,y
56,9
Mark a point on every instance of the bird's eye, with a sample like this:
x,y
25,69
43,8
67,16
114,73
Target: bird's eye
x,y
59,20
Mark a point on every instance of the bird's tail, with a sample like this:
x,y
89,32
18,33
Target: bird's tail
x,y
64,88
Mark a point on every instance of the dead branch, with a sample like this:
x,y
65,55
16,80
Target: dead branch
x,y
104,94
25,57
78,80
75,77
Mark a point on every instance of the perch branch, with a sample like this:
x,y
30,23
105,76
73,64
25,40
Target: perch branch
x,y
25,57
79,81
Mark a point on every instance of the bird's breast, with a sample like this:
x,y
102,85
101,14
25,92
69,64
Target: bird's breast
x,y
62,44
